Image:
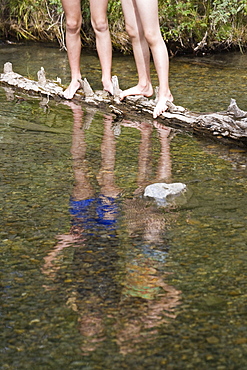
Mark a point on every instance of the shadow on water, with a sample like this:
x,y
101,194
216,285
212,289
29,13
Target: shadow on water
x,y
94,276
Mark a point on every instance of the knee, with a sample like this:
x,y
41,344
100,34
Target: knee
x,y
99,25
151,37
73,25
131,31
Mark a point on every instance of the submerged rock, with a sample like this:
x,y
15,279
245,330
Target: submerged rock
x,y
164,193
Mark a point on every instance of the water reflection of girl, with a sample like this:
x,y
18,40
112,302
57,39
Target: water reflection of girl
x,y
138,303
94,222
146,252
93,233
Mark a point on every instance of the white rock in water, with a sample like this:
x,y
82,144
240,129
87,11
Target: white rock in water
x,y
160,191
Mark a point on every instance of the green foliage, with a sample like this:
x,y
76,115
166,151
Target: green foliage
x,y
184,23
188,21
32,19
226,14
181,22
227,21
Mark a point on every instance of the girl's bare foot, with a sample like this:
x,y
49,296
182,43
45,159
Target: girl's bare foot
x,y
108,86
71,89
137,90
162,106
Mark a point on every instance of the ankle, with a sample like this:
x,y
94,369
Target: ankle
x,y
107,85
145,87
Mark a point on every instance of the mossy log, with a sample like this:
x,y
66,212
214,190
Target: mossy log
x,y
229,126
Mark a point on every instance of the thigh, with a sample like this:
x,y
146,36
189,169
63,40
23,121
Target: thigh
x,y
72,8
98,9
131,15
148,13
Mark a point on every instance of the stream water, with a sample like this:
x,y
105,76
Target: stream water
x,y
94,276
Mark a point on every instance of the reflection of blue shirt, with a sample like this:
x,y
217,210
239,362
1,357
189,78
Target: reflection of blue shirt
x,y
94,220
95,214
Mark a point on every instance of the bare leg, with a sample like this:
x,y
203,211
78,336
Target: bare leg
x,y
148,12
142,22
140,50
103,40
72,9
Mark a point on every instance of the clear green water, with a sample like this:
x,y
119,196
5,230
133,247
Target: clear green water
x,y
131,286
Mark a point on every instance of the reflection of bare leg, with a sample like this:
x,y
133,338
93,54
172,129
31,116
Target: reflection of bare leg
x,y
106,177
92,329
142,321
82,189
164,170
144,155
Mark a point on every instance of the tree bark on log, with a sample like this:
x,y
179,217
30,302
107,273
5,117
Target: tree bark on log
x,y
229,126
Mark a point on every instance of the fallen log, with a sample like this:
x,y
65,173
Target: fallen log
x,y
229,126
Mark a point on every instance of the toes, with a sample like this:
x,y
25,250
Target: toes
x,y
159,110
